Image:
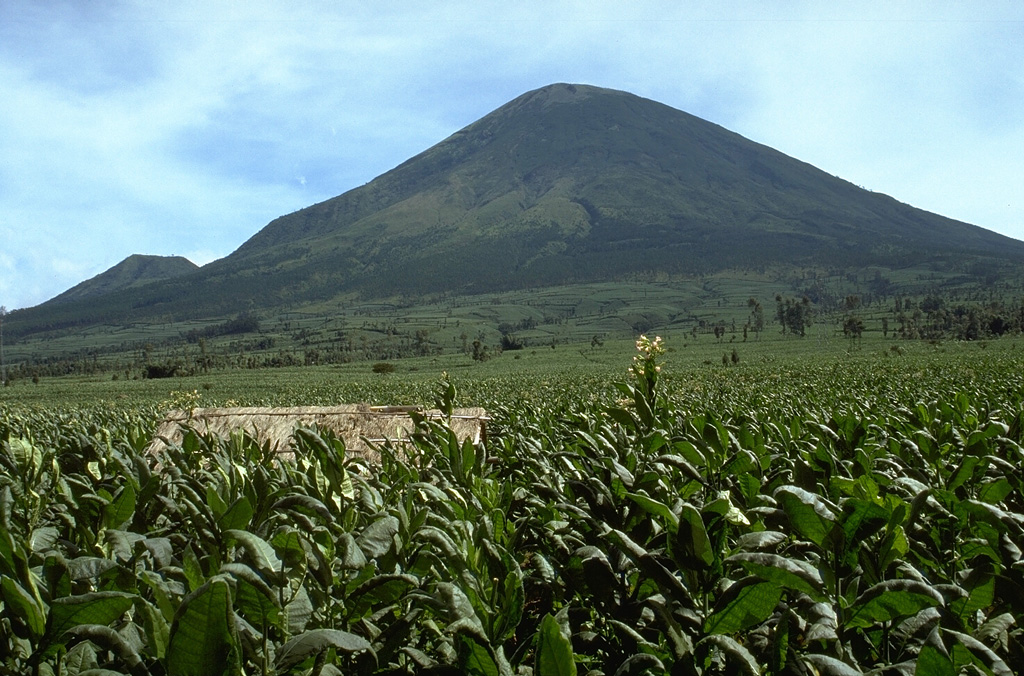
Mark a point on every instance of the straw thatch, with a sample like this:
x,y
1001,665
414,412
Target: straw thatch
x,y
357,424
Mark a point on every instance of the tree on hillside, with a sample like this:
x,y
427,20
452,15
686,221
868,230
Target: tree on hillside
x,y
853,327
756,316
794,315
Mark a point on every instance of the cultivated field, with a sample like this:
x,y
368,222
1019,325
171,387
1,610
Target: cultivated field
x,y
805,508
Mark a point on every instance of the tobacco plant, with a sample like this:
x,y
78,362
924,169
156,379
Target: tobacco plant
x,y
831,519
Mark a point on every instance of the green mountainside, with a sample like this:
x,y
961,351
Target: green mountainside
x,y
134,271
567,184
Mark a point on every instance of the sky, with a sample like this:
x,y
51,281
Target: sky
x,y
183,128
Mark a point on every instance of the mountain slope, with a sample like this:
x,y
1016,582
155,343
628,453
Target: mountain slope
x,y
574,183
564,184
134,271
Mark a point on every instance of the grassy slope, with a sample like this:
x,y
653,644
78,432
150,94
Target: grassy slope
x,y
131,273
572,314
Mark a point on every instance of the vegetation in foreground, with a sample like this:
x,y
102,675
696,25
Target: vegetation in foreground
x,y
790,517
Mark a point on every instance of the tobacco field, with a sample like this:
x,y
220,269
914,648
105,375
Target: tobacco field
x,y
794,518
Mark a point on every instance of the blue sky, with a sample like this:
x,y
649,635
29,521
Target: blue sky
x,y
183,128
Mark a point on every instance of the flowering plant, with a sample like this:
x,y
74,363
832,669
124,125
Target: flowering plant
x,y
641,388
645,368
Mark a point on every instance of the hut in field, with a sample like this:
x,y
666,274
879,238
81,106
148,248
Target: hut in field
x,y
358,424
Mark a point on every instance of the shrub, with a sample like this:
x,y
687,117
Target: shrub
x,y
383,367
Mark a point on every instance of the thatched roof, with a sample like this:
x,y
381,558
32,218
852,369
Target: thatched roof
x,y
355,423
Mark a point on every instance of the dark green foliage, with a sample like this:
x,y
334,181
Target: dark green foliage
x,y
131,273
758,521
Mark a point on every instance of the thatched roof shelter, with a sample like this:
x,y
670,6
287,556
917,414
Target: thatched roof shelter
x,y
357,424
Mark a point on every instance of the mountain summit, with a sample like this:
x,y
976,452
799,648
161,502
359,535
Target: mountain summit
x,y
564,184
574,183
135,271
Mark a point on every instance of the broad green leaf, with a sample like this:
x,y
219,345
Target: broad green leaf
x,y
161,550
313,642
120,544
203,641
659,509
287,543
807,512
980,586
27,457
457,604
643,408
107,639
345,486
161,593
932,662
746,603
55,573
255,600
89,567
823,665
95,608
894,547
862,518
25,607
554,656
994,631
750,485
258,551
723,505
192,569
622,416
350,555
215,502
890,600
158,629
476,659
511,610
299,611
237,516
765,539
986,513
305,504
738,659
639,664
378,538
669,583
9,552
628,546
43,539
597,572
980,654
994,492
964,472
688,460
691,545
378,592
80,658
788,573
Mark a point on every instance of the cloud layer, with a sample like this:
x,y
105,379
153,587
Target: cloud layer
x,y
183,128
